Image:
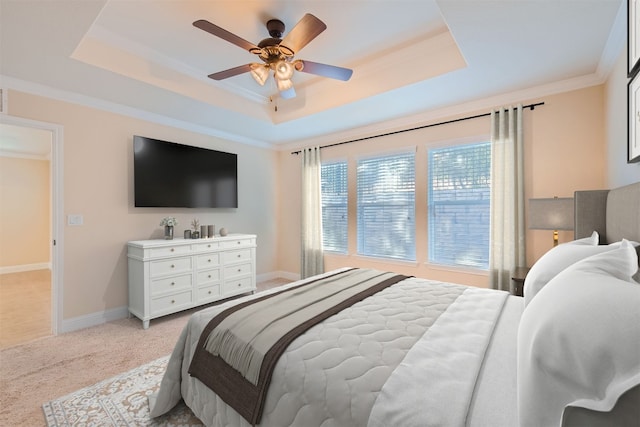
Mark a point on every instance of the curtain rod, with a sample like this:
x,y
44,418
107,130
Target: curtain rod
x,y
530,106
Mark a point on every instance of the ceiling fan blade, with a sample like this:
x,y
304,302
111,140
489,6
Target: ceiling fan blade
x,y
288,94
325,70
221,75
226,35
307,29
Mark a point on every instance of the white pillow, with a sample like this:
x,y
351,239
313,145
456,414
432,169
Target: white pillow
x,y
579,339
592,240
556,260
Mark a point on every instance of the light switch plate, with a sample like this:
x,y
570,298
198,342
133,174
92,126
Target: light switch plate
x,y
75,219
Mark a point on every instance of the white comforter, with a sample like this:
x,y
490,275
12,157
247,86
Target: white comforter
x,y
372,364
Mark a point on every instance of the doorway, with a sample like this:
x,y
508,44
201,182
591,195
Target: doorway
x,y
27,139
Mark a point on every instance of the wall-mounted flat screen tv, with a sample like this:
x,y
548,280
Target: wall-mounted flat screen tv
x,y
173,175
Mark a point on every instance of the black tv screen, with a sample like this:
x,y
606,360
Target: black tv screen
x,y
173,175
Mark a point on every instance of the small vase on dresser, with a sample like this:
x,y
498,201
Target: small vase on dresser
x,y
169,223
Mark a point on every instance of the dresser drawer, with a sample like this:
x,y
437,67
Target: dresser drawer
x,y
238,285
237,243
168,276
237,270
207,276
237,256
169,250
175,265
209,246
208,260
209,293
169,284
171,303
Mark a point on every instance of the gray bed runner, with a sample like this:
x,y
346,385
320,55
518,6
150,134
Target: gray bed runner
x,y
236,361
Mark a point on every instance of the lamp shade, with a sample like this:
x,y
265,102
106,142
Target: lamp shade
x,y
283,84
551,214
260,72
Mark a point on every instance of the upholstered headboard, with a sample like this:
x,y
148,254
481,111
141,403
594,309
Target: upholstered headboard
x,y
614,214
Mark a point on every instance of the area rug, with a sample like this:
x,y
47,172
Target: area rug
x,y
118,401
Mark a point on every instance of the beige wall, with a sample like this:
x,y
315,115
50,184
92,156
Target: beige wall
x,y
564,151
98,184
24,213
619,172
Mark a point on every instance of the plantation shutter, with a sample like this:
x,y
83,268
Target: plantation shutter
x,y
386,206
334,206
459,205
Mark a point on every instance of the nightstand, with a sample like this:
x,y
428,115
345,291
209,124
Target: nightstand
x,y
517,277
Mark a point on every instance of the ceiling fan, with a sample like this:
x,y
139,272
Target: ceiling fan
x,y
277,53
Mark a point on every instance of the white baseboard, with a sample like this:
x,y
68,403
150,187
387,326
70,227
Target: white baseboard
x,y
277,275
93,319
289,276
25,267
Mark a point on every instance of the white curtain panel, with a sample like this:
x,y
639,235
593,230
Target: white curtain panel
x,y
507,243
312,262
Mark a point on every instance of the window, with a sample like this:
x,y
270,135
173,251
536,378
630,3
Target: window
x,y
459,191
333,182
386,206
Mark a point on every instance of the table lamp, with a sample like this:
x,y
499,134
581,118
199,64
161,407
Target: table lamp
x,y
551,214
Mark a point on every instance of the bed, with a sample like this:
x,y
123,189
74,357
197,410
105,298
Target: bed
x,y
420,352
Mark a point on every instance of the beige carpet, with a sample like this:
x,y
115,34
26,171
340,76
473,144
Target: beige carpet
x,y
42,370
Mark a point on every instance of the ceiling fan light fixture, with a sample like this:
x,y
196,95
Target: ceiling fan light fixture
x,y
284,84
283,70
260,73
277,53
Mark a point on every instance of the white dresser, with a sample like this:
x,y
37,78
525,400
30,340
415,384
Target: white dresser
x,y
167,276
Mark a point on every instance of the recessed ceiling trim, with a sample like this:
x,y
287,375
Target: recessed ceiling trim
x,y
421,60
104,49
417,60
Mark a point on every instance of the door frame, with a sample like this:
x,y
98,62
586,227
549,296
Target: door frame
x,y
57,212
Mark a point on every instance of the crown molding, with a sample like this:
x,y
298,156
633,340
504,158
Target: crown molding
x,y
413,120
448,112
88,101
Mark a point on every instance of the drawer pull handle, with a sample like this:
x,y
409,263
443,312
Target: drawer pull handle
x,y
173,283
209,292
208,246
239,270
239,284
239,242
173,266
173,301
172,249
239,255
209,276
208,260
